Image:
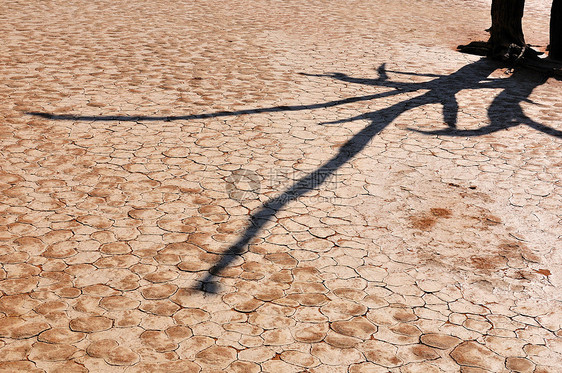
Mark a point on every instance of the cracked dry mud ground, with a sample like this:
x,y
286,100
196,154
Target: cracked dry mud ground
x,y
427,249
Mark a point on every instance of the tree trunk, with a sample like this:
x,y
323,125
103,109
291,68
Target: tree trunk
x,y
506,34
556,30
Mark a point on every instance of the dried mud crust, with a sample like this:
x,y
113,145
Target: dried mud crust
x,y
425,232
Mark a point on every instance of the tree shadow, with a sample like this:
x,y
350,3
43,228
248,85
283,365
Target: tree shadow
x,y
504,112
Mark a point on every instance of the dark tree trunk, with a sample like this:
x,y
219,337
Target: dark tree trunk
x,y
507,42
506,34
556,30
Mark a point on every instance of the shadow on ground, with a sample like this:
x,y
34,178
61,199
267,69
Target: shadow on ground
x,y
504,112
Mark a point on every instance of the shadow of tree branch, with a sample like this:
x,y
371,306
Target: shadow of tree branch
x,y
504,112
440,90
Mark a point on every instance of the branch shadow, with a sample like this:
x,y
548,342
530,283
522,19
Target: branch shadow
x,y
504,112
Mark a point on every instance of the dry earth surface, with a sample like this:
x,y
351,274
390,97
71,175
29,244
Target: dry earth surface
x,y
366,198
